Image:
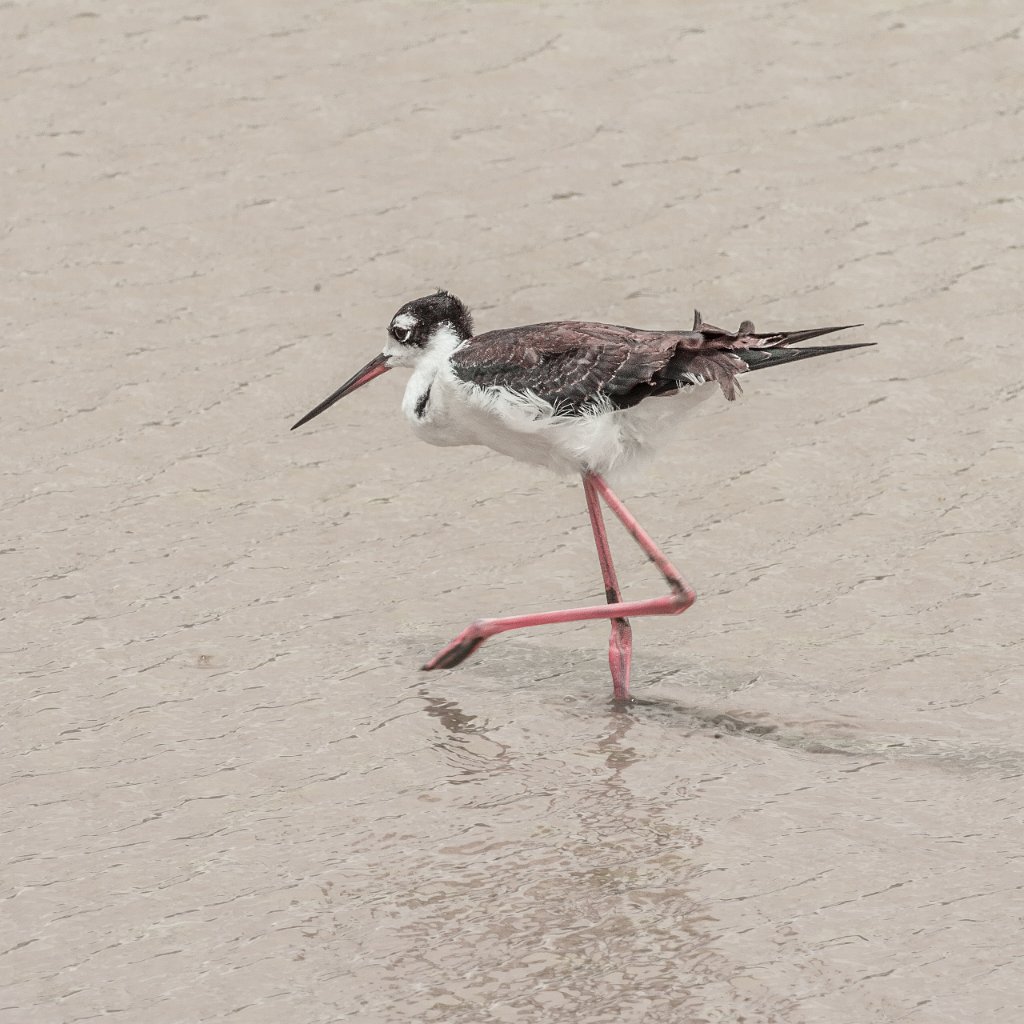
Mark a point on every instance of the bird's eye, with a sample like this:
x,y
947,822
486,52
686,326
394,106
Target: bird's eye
x,y
400,333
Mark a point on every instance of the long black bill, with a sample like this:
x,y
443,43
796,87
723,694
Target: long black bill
x,y
374,368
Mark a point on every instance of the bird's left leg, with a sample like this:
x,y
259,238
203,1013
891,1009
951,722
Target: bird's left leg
x,y
620,644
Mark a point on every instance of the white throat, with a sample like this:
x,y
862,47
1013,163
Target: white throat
x,y
423,401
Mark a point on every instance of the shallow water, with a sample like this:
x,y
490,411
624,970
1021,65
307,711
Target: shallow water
x,y
230,793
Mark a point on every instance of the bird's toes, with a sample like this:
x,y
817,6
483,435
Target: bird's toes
x,y
455,653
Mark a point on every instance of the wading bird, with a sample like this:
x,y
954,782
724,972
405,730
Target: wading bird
x,y
576,398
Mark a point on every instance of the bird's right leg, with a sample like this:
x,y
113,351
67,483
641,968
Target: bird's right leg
x,y
620,644
680,598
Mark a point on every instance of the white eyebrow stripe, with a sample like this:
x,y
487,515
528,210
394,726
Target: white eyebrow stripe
x,y
406,320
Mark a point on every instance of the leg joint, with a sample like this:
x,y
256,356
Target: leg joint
x,y
683,595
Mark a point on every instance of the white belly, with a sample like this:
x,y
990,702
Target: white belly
x,y
445,411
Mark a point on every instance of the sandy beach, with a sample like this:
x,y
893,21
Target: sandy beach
x,y
229,794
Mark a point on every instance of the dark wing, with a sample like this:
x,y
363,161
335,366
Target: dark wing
x,y
571,365
580,366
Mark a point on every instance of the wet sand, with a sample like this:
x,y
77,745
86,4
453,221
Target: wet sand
x,y
230,795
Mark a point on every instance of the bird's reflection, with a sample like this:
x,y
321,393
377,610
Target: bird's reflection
x,y
464,742
568,841
449,714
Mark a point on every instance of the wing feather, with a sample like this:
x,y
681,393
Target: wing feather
x,y
571,365
582,367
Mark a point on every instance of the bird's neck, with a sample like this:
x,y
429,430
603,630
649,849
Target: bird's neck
x,y
433,360
443,342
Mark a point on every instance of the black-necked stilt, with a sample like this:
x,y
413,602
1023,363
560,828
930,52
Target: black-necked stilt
x,y
572,397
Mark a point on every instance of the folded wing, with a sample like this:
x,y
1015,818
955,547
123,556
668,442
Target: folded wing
x,y
582,367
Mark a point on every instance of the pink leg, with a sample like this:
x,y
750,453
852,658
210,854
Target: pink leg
x,y
620,644
680,598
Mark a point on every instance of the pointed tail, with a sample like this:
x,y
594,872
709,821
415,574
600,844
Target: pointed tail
x,y
761,350
721,355
761,358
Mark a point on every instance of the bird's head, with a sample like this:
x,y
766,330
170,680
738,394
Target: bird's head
x,y
432,325
423,325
